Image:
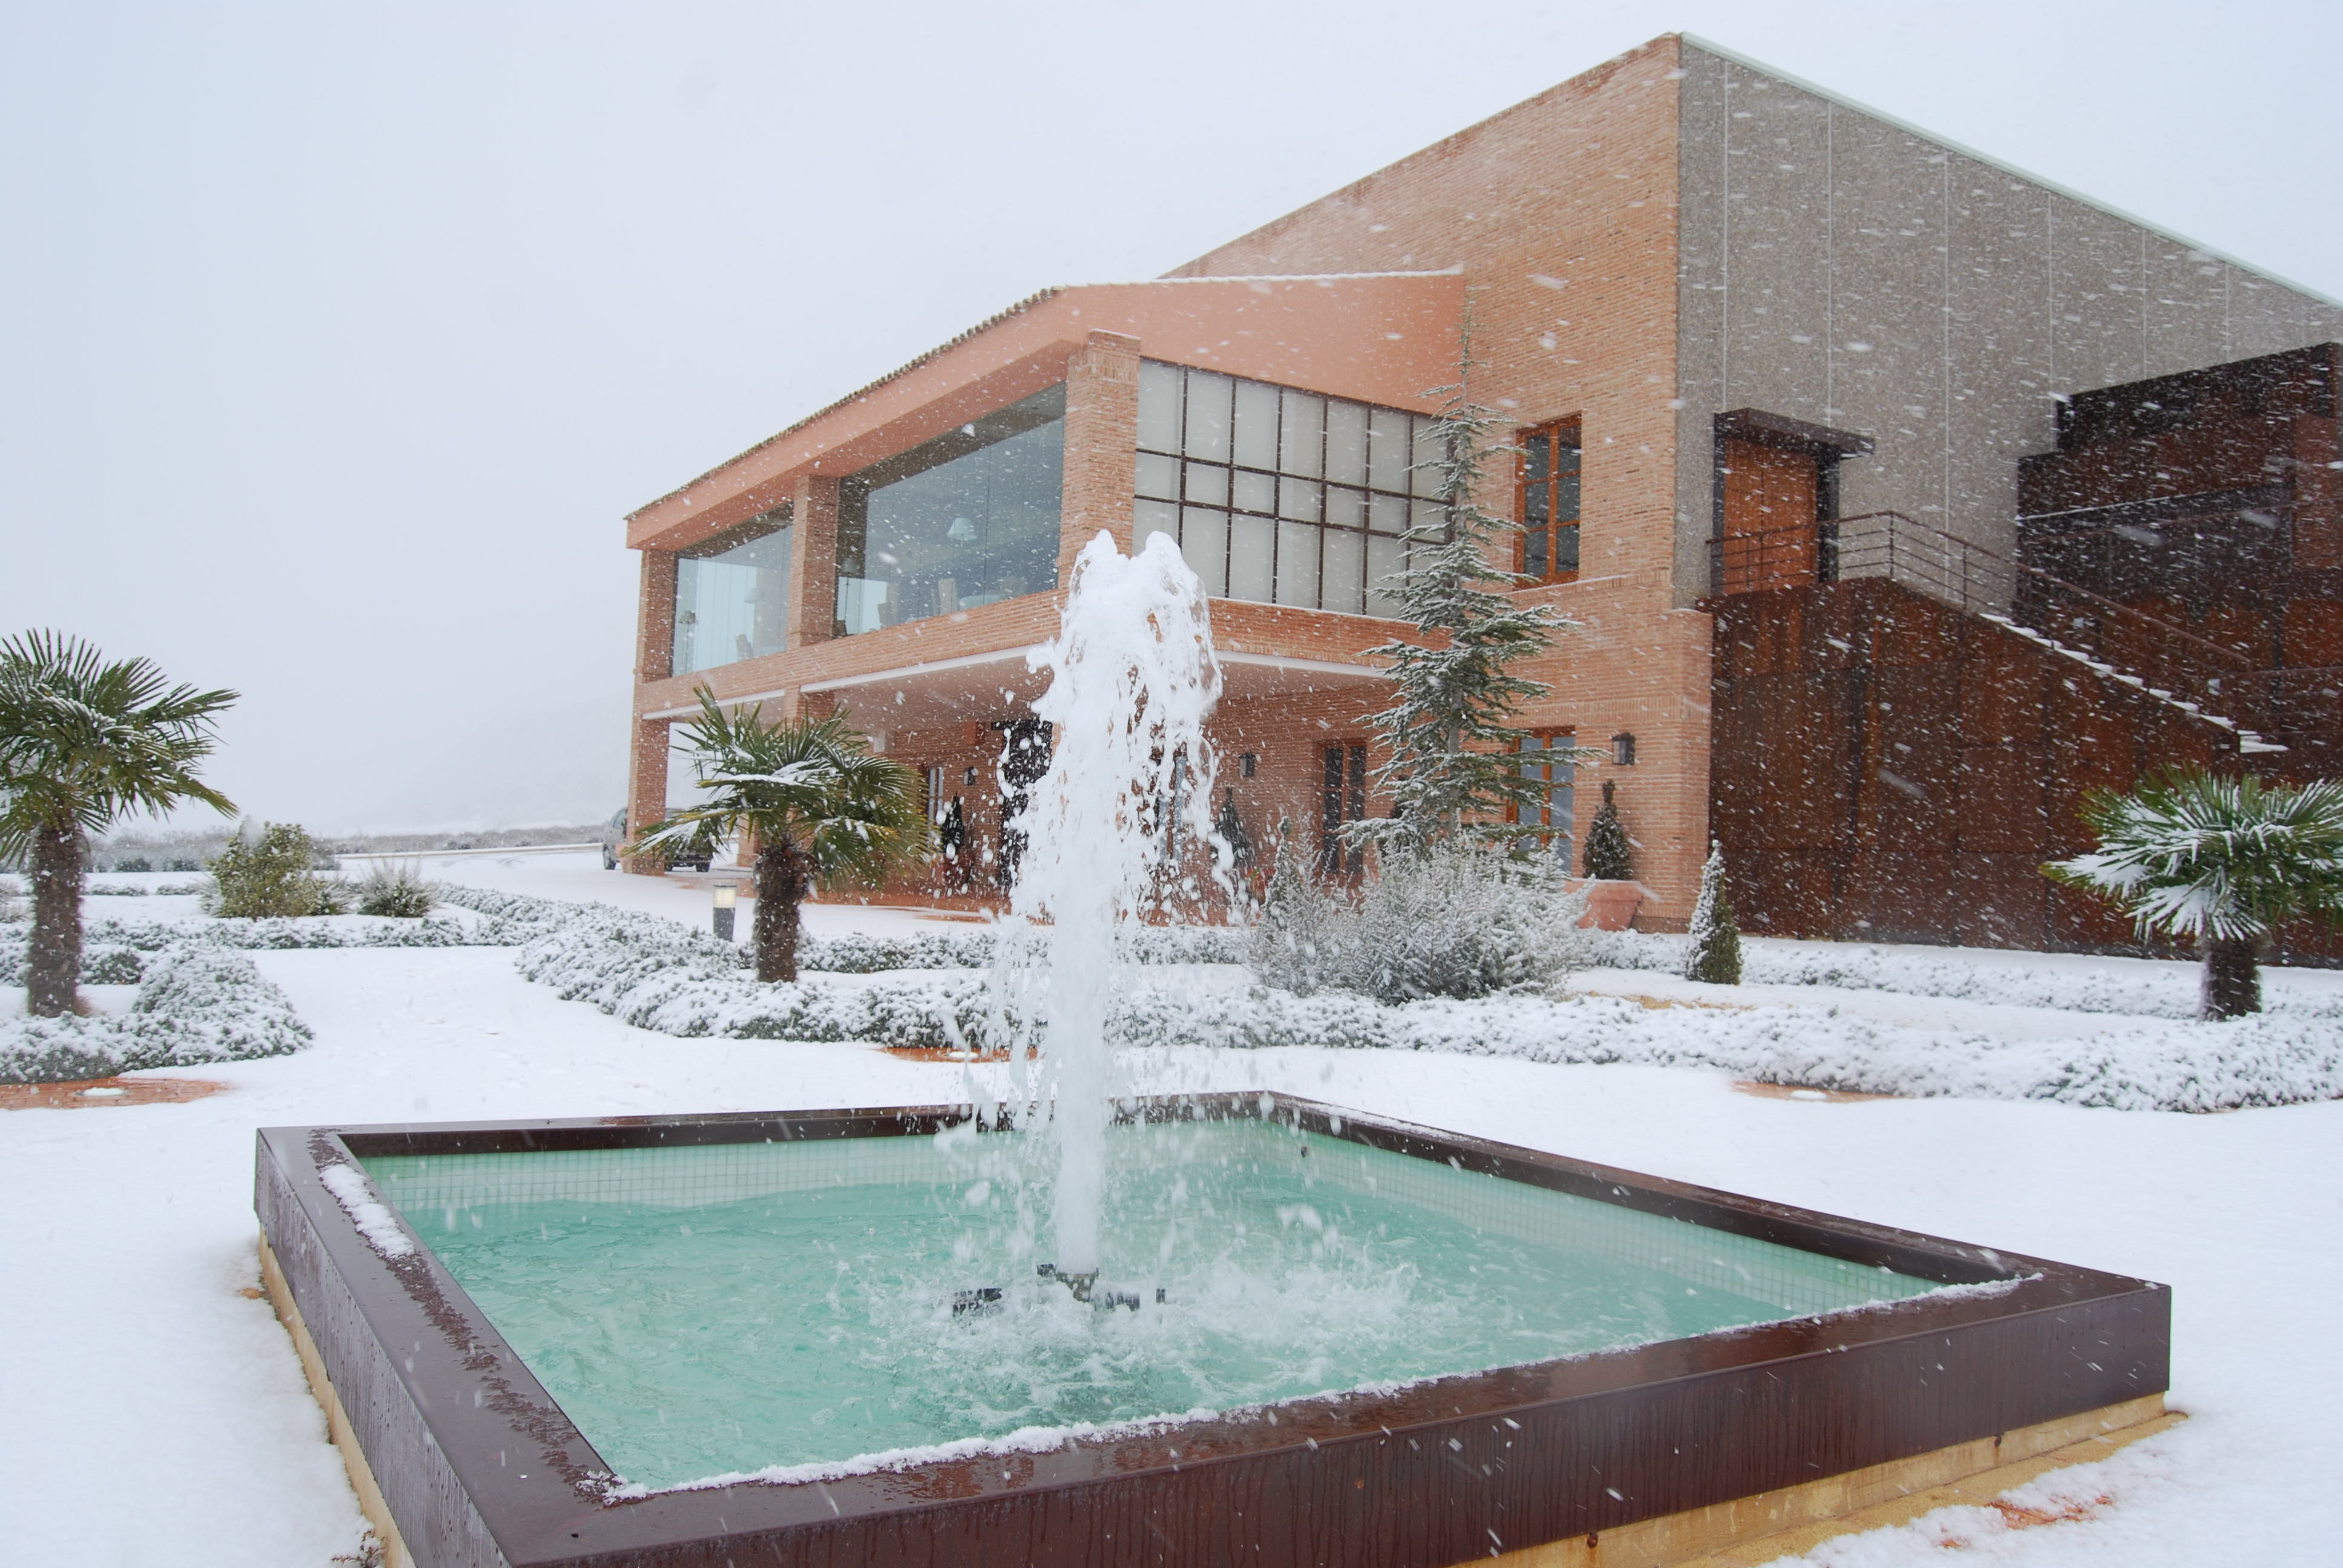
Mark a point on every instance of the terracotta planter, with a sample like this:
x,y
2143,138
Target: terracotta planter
x,y
1611,906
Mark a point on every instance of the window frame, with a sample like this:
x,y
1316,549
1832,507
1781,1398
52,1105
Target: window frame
x,y
1549,740
1554,431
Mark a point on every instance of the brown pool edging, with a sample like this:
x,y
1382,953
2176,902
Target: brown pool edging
x,y
478,1464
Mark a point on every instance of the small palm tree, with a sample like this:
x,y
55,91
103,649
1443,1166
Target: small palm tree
x,y
83,744
819,806
2223,861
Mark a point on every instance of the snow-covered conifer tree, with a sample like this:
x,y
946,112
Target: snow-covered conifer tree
x,y
1715,955
1607,856
1450,763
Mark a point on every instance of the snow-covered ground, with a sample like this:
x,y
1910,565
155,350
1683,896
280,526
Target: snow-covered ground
x,y
152,1414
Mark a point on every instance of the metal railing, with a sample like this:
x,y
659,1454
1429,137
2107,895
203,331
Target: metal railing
x,y
2145,648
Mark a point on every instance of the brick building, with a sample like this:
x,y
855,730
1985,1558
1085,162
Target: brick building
x,y
1816,415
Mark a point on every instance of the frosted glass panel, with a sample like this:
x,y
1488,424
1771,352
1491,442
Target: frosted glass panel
x,y
1251,540
1298,499
1346,443
1208,415
1426,519
1159,407
1297,564
1256,430
1345,559
1237,453
1205,540
1426,480
1388,450
1152,518
1159,476
1305,434
1384,559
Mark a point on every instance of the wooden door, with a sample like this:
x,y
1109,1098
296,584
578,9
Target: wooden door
x,y
1771,507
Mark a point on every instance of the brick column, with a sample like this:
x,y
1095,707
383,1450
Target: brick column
x,y
813,560
1102,444
646,787
654,661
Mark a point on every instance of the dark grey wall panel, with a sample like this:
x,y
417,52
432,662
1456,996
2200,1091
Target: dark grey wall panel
x,y
1840,268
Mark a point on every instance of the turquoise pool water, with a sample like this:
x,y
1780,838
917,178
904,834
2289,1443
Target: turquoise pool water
x,y
699,1312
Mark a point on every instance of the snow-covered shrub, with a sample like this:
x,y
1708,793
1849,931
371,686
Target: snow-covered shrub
x,y
269,873
114,890
397,891
1714,937
12,900
1451,919
2148,1065
196,1004
656,974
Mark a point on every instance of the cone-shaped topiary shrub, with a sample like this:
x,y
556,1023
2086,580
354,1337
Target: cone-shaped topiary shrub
x,y
1715,955
1607,860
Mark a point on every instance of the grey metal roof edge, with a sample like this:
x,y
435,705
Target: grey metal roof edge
x,y
1692,40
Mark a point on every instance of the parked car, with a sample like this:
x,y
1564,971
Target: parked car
x,y
696,854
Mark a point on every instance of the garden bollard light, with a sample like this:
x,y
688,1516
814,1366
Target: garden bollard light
x,y
728,896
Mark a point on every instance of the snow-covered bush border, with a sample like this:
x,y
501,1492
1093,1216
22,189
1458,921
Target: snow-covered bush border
x,y
197,1004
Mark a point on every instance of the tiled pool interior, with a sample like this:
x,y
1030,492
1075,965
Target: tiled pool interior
x,y
734,1308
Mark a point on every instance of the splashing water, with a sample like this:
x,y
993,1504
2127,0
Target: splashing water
x,y
1132,677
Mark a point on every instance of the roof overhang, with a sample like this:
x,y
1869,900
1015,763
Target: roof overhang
x,y
1379,337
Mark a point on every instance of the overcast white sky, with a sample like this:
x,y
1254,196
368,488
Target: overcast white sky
x,y
335,341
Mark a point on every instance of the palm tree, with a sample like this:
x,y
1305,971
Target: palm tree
x,y
819,806
2223,861
83,744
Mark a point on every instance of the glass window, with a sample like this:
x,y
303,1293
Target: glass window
x,y
1556,808
732,595
1548,510
967,519
1242,452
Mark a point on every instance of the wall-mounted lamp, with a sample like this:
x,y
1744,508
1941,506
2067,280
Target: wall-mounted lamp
x,y
727,898
1623,750
1247,761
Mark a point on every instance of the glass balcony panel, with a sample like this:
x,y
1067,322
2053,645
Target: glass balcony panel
x,y
1297,564
1254,492
1158,477
1208,415
1302,448
1341,573
1299,500
1389,448
1159,406
1345,508
1254,444
1205,540
731,596
1346,443
1253,542
1386,560
1208,484
967,519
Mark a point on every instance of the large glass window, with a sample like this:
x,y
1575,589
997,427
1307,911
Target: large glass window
x,y
1278,496
966,519
732,595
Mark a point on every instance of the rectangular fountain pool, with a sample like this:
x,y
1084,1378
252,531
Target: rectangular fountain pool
x,y
1315,1338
